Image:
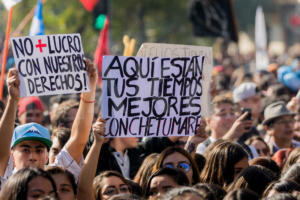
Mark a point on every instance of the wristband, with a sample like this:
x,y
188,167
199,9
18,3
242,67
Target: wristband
x,y
86,101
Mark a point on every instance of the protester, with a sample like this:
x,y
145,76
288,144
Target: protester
x,y
259,144
30,110
223,164
183,193
294,157
65,183
164,180
279,127
29,183
31,142
241,194
281,186
176,157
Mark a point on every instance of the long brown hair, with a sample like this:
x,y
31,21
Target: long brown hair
x,y
98,181
176,149
219,166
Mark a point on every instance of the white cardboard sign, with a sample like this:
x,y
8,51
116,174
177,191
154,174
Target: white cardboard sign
x,y
176,50
152,97
50,64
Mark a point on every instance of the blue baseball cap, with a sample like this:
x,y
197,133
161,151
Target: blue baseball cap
x,y
29,132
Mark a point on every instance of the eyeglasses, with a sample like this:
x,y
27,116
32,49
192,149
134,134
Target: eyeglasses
x,y
262,151
110,191
182,165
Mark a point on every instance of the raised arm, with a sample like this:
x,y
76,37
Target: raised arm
x,y
88,172
84,117
8,119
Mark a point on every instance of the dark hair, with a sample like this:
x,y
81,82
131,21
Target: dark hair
x,y
281,196
255,178
282,186
135,188
124,196
62,134
180,193
66,173
254,138
176,175
219,166
176,149
17,185
200,161
59,117
98,181
220,99
210,191
145,170
293,173
241,194
293,157
268,163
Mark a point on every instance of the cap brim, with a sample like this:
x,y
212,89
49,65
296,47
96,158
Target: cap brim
x,y
45,141
270,119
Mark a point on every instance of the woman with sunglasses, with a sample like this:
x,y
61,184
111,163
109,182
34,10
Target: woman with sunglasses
x,y
177,157
163,180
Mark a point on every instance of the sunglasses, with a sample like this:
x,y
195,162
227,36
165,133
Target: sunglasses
x,y
182,165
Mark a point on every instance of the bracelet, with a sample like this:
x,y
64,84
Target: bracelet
x,y
86,101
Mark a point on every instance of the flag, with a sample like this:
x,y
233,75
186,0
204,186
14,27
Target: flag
x,y
10,3
262,60
89,4
102,49
37,25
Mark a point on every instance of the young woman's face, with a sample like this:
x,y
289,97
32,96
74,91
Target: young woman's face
x,y
64,187
160,185
179,161
39,187
113,185
239,166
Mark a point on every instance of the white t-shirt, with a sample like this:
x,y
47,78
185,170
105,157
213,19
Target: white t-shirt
x,y
63,159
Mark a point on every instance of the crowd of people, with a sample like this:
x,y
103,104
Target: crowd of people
x,y
247,148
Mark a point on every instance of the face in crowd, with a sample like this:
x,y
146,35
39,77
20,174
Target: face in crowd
x,y
160,185
29,154
282,128
222,119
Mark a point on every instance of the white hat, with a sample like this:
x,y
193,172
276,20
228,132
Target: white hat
x,y
245,91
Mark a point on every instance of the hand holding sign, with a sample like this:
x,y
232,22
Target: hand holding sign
x,y
13,84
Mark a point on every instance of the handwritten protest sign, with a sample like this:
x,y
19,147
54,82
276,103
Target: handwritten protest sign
x,y
151,97
176,50
50,64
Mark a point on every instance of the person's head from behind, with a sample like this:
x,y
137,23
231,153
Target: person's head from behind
x,y
294,157
281,186
241,194
30,145
29,183
177,157
281,196
222,116
259,144
109,183
210,191
247,95
145,170
183,193
30,110
225,161
293,173
255,178
163,180
65,114
268,163
65,183
59,137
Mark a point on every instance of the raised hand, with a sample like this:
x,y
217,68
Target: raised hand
x,y
99,130
13,84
